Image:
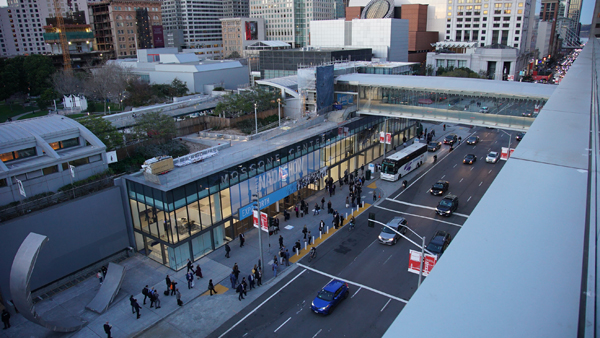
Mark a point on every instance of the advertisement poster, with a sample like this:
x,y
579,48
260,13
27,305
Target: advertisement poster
x,y
158,38
251,30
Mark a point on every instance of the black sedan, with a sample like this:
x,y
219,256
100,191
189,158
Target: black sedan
x,y
439,243
439,188
469,159
520,136
473,140
434,146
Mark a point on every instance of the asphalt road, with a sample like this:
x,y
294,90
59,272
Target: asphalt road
x,y
380,284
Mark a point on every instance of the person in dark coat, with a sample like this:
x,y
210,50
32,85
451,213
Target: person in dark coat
x,y
240,291
168,281
145,293
173,287
280,241
190,266
242,240
6,319
137,307
132,302
211,287
198,271
227,249
107,328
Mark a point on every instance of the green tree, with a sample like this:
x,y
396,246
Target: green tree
x,y
46,98
179,87
38,70
156,125
104,130
13,77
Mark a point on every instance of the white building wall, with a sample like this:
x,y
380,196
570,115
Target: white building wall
x,y
478,60
391,34
543,37
398,40
330,33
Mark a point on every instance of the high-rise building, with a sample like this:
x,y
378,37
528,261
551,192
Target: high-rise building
x,y
22,21
236,8
194,25
241,32
288,20
123,26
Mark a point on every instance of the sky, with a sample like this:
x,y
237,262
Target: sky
x,y
586,17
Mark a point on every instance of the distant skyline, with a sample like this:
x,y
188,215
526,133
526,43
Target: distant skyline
x,y
586,17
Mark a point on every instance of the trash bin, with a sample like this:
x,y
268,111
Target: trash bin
x,y
368,177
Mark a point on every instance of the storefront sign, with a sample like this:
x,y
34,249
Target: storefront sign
x,y
268,200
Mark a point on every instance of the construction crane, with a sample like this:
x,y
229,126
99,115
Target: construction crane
x,y
62,33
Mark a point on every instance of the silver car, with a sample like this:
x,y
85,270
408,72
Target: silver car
x,y
492,157
388,236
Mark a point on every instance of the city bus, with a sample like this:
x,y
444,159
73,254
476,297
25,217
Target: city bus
x,y
403,162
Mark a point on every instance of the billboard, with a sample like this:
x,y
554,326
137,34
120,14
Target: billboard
x,y
251,30
414,262
158,39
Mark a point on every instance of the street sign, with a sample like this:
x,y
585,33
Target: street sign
x,y
414,262
504,154
382,137
388,138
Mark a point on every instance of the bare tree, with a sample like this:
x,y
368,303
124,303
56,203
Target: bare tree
x,y
68,84
108,83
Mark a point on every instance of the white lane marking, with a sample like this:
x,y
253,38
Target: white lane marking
x,y
455,166
480,183
472,168
356,292
442,177
317,333
425,217
282,324
461,180
489,172
387,259
263,303
353,283
386,304
469,199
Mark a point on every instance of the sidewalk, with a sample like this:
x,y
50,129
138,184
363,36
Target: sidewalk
x,y
201,314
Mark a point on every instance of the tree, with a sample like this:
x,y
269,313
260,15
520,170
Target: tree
x,y
46,98
156,125
429,70
104,130
13,78
179,87
108,82
38,69
68,84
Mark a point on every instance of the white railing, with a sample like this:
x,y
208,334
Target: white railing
x,y
195,157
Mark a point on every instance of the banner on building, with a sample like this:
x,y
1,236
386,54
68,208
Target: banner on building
x,y
21,188
251,30
264,222
158,38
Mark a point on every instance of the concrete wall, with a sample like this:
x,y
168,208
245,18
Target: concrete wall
x,y
81,232
231,78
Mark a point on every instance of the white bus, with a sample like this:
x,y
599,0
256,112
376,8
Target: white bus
x,y
403,162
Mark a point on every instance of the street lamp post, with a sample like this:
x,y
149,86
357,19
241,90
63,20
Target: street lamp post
x,y
255,118
422,246
257,208
279,110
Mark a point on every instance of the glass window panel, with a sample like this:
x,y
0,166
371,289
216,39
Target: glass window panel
x,y
213,183
201,245
136,215
225,203
179,197
205,213
215,203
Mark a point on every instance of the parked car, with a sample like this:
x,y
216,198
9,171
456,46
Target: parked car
x,y
434,146
473,140
520,136
388,236
330,296
450,139
470,159
439,188
492,157
439,243
447,205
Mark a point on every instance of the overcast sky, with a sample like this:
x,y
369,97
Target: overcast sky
x,y
586,18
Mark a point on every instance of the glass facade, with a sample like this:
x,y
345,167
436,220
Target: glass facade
x,y
195,219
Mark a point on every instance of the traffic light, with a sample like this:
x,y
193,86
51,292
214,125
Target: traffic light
x,y
371,224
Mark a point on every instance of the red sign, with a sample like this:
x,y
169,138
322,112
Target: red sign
x,y
504,155
414,262
388,138
264,221
382,137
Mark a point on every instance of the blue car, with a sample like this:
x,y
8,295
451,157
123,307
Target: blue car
x,y
330,296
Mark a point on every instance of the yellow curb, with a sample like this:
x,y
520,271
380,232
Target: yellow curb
x,y
295,258
372,186
219,288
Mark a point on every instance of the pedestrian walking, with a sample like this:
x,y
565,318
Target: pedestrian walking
x,y
132,302
227,249
178,296
168,281
236,270
305,231
211,287
198,271
6,320
321,226
137,307
190,267
322,202
444,127
99,276
280,241
251,281
275,266
242,240
190,279
155,298
145,293
362,168
329,207
240,291
287,257
244,285
297,210
316,211
256,276
173,287
150,295
333,190
232,280
107,328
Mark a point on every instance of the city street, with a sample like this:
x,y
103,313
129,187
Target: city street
x,y
377,275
